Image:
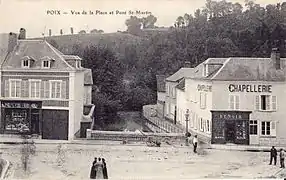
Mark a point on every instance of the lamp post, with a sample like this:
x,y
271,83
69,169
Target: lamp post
x,y
187,126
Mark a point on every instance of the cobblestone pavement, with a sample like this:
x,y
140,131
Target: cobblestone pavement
x,y
72,161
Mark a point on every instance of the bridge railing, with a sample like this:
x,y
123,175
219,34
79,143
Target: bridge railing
x,y
131,136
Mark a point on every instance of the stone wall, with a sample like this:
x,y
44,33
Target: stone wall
x,y
132,136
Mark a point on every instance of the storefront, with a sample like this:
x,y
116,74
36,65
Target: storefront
x,y
21,117
230,127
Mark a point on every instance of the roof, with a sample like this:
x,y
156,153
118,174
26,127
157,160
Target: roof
x,y
36,49
161,83
88,77
3,45
251,69
181,73
181,85
241,69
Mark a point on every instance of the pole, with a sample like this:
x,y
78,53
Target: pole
x,y
187,127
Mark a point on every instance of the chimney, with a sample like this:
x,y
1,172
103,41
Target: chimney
x,y
187,64
22,34
12,41
275,58
50,32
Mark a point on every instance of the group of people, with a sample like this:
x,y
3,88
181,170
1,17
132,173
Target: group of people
x,y
98,169
273,156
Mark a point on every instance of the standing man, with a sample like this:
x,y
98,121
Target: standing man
x,y
282,158
273,155
195,143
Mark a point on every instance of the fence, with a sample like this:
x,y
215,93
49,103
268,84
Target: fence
x,y
150,113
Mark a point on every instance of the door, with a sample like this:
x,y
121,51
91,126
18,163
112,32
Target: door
x,y
35,119
230,131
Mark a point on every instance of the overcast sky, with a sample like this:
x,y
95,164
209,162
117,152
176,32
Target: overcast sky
x,y
32,14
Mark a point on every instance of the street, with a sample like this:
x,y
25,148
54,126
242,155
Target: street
x,y
73,161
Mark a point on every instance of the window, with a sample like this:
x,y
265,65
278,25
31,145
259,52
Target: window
x,y
15,88
234,102
78,64
46,64
26,63
201,124
266,103
253,127
265,128
35,86
55,89
203,100
208,125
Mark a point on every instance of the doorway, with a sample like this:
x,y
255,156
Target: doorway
x,y
230,131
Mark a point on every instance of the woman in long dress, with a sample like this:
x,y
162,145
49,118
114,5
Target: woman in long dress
x,y
99,169
105,175
93,170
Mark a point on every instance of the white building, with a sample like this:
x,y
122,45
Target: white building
x,y
236,100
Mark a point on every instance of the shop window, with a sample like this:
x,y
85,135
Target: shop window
x,y
253,127
55,89
266,103
15,88
35,86
265,128
234,102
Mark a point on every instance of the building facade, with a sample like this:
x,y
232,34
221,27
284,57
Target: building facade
x,y
236,100
43,92
170,101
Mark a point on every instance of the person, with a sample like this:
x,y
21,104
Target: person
x,y
273,155
282,158
99,169
104,170
195,143
93,170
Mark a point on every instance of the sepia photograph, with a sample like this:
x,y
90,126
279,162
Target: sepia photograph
x,y
142,89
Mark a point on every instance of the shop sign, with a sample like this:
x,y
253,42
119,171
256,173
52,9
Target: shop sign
x,y
250,88
230,115
19,105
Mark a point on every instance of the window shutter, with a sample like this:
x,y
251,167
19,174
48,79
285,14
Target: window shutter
x,y
268,103
257,104
64,89
274,103
23,88
42,89
236,102
231,102
273,128
47,89
6,91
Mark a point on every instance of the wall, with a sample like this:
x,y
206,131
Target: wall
x,y
199,114
78,99
44,77
181,107
247,102
87,94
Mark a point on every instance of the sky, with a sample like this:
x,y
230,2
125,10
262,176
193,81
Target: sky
x,y
37,17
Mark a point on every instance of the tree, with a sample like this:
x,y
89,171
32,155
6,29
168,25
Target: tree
x,y
82,32
133,25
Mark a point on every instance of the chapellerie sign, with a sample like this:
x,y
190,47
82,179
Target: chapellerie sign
x,y
250,88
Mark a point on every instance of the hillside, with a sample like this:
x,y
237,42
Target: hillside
x,y
114,41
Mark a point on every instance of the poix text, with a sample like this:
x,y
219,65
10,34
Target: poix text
x,y
98,12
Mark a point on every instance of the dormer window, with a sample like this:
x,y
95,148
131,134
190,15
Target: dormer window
x,y
47,62
78,64
27,61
